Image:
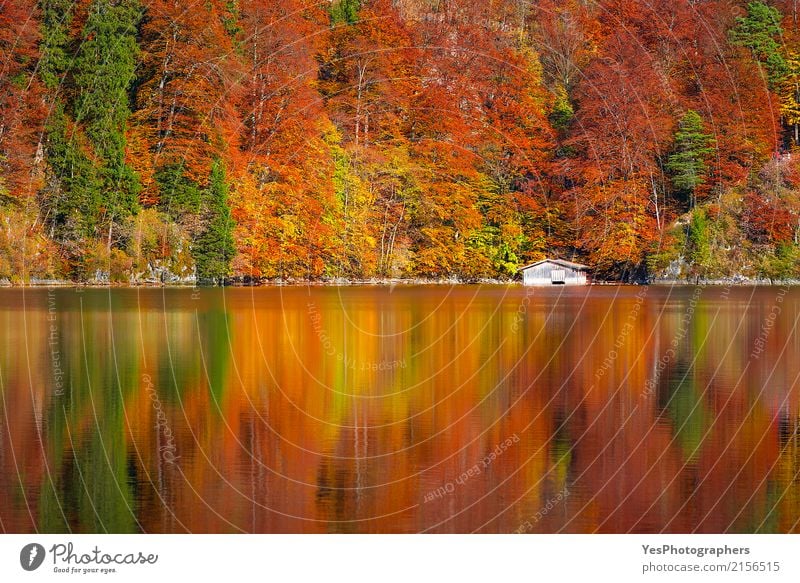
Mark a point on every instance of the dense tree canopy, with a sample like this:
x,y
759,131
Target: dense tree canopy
x,y
289,139
687,162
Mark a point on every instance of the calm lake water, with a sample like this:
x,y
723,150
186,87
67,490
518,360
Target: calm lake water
x,y
435,409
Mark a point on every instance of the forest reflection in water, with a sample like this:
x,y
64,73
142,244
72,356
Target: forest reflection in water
x,y
405,409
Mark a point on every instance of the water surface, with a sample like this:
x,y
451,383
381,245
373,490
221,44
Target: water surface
x,y
410,409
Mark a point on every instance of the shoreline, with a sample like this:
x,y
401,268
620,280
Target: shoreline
x,y
732,282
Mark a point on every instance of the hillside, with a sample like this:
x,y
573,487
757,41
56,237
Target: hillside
x,y
444,139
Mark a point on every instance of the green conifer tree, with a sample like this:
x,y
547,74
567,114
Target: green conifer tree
x,y
699,243
758,32
103,71
214,248
687,163
180,196
55,58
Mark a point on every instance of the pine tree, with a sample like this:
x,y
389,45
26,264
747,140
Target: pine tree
x,y
180,196
55,58
73,191
104,69
345,11
687,163
214,248
757,31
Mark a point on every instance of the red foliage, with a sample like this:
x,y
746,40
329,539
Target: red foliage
x,y
22,109
767,221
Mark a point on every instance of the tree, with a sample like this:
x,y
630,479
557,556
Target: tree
x,y
687,162
345,11
367,75
622,125
789,93
699,252
73,189
766,220
180,195
284,201
758,32
103,71
21,102
214,249
187,89
55,58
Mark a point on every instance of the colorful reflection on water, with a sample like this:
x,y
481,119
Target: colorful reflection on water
x,y
411,409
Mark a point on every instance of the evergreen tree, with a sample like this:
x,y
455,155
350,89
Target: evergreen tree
x,y
55,58
104,69
72,195
91,188
757,31
345,11
214,248
180,195
789,95
687,163
699,243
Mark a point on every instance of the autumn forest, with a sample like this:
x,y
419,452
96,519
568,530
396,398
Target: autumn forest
x,y
261,140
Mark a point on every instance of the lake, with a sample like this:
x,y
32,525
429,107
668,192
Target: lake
x,y
400,409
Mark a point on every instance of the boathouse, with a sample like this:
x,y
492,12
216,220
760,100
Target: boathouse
x,y
555,272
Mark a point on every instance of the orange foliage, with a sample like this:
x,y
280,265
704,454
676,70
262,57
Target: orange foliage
x,y
185,100
447,139
22,108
